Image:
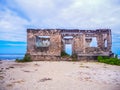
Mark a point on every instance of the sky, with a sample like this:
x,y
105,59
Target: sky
x,y
18,15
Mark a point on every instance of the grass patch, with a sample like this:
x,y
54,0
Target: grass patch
x,y
108,60
25,59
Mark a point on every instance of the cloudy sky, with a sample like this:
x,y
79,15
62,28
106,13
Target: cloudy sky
x,y
18,15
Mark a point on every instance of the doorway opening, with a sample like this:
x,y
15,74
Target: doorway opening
x,y
93,42
68,49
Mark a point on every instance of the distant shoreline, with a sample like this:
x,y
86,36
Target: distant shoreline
x,y
13,56
12,53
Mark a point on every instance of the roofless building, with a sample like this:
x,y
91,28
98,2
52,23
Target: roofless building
x,y
47,44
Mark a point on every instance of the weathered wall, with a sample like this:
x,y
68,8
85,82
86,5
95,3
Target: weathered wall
x,y
53,50
80,43
101,35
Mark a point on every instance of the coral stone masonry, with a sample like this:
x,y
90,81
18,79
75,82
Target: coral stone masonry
x,y
47,44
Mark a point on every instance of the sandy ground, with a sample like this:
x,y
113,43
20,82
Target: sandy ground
x,y
58,75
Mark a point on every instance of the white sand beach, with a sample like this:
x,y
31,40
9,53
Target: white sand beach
x,y
58,75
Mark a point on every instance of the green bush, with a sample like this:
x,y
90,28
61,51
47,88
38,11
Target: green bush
x,y
116,56
100,58
105,57
64,54
25,59
107,60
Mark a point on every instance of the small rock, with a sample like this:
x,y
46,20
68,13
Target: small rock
x,y
11,67
44,79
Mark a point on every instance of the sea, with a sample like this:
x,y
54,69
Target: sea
x,y
13,57
119,56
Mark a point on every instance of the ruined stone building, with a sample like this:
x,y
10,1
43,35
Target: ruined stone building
x,y
47,44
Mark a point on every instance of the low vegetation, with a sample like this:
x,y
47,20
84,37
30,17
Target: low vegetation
x,y
25,59
109,60
74,57
64,54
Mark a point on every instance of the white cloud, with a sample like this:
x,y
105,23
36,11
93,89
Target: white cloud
x,y
82,14
87,14
12,27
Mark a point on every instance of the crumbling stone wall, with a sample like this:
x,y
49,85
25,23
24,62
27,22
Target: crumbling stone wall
x,y
79,44
44,53
51,42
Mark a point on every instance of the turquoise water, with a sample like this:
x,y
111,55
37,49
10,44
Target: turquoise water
x,y
11,56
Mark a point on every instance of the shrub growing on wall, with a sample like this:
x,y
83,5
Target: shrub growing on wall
x,y
25,59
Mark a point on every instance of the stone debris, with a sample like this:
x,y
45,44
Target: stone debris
x,y
44,79
18,81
